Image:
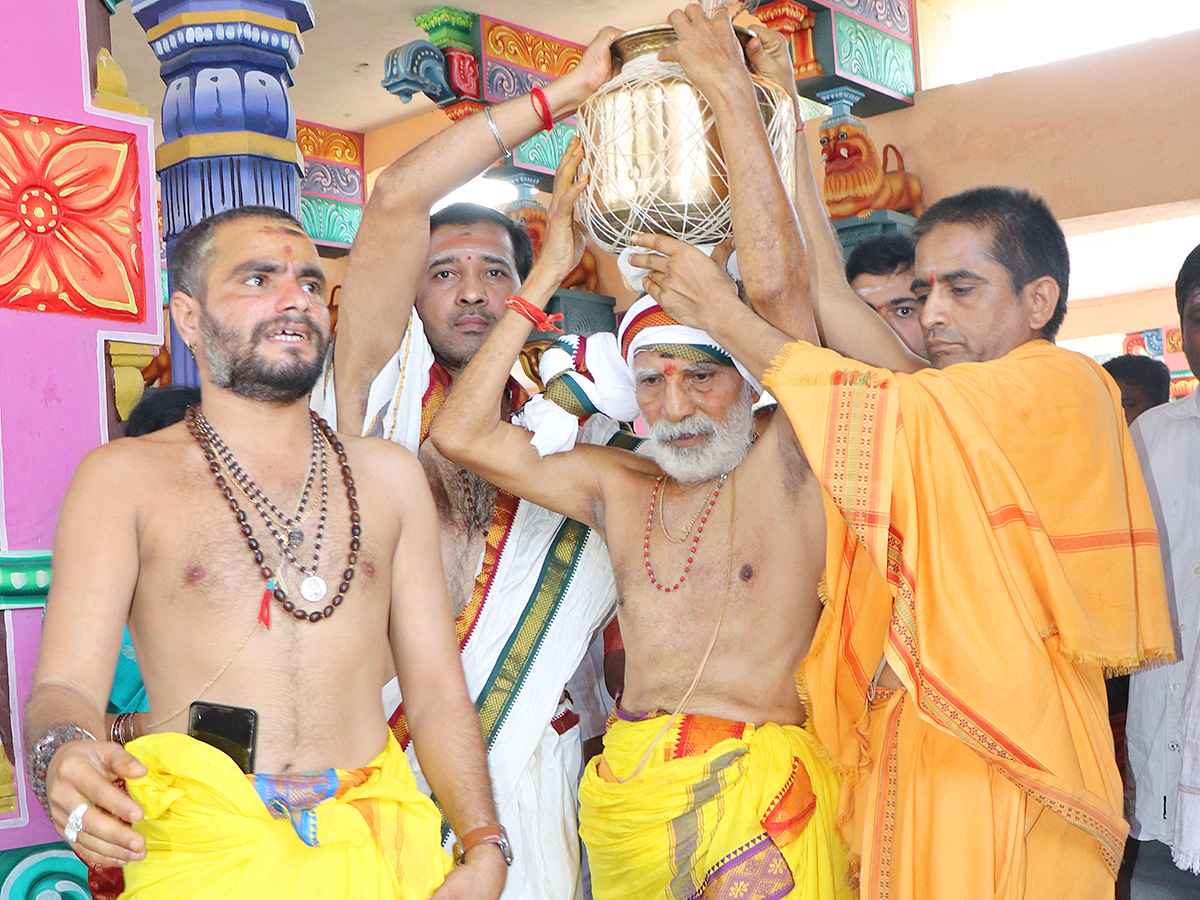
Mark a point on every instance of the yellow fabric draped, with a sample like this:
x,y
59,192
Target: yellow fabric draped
x,y
990,534
720,809
208,833
8,796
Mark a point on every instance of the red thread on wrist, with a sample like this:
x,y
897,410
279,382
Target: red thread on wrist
x,y
541,106
538,317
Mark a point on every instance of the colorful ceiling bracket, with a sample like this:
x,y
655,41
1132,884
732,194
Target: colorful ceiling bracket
x,y
331,191
864,44
471,61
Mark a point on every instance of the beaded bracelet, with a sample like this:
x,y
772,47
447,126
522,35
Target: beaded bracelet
x,y
538,317
542,107
43,751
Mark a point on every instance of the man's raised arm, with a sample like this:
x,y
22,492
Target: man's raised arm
x,y
846,324
388,258
440,714
770,247
694,290
469,430
792,272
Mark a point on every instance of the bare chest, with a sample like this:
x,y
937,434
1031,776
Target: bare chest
x,y
755,562
197,552
465,505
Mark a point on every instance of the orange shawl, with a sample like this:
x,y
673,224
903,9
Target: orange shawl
x,y
989,531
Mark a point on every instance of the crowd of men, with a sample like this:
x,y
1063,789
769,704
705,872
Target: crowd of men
x,y
881,674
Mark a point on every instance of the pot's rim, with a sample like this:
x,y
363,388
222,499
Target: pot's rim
x,y
649,31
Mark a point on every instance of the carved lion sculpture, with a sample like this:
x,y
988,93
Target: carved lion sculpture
x,y
857,182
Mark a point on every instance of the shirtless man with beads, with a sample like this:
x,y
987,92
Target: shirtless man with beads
x,y
233,598
717,541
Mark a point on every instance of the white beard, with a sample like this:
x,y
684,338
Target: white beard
x,y
726,445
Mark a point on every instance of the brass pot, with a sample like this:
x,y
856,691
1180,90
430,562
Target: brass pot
x,y
653,155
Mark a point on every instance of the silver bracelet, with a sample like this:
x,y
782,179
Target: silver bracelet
x,y
43,751
123,730
487,113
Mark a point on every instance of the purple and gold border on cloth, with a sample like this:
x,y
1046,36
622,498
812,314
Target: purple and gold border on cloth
x,y
755,871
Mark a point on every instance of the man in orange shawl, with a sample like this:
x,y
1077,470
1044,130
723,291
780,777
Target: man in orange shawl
x,y
979,584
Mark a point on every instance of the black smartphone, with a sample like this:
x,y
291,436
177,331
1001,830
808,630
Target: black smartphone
x,y
231,729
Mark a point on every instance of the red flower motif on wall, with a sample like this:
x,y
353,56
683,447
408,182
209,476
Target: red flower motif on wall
x,y
70,219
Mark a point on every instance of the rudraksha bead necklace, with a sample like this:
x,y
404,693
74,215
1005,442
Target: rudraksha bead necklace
x,y
313,588
291,525
275,587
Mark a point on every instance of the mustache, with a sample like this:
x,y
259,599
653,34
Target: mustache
x,y
484,314
943,334
724,447
261,329
664,431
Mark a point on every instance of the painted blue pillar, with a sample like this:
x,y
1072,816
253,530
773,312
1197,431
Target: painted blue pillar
x,y
229,132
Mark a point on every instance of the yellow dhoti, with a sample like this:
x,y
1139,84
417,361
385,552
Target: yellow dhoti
x,y
208,832
8,796
720,809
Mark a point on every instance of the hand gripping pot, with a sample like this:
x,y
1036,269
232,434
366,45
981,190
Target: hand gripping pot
x,y
652,150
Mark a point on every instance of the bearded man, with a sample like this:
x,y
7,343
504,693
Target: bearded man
x,y
980,579
708,782
262,562
530,586
689,738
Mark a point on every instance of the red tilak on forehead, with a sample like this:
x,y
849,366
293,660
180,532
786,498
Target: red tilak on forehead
x,y
669,370
932,277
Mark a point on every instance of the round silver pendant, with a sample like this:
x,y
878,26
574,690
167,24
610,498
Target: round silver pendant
x,y
313,589
295,537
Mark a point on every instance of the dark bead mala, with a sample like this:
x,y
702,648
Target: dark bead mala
x,y
277,590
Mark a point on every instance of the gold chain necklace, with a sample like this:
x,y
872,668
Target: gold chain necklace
x,y
662,516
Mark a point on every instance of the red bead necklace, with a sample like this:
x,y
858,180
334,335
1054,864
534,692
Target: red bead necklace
x,y
687,567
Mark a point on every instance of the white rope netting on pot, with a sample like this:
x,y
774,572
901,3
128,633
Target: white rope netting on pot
x,y
653,157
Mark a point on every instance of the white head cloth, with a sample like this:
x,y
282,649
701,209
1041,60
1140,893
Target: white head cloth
x,y
584,376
